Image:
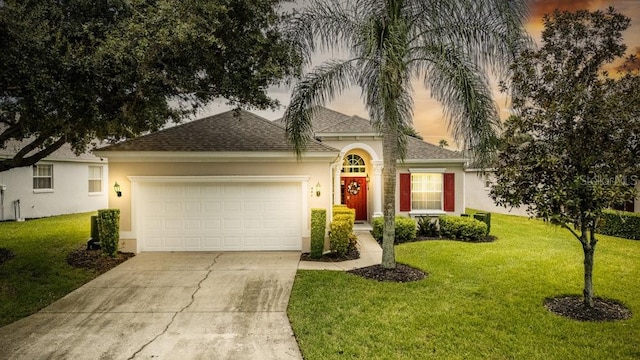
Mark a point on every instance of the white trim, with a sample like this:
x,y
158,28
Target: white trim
x,y
43,191
427,170
427,212
432,161
210,156
374,155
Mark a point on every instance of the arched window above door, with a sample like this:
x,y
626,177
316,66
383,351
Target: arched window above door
x,y
353,164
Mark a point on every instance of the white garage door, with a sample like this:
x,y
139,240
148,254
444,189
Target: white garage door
x,y
220,216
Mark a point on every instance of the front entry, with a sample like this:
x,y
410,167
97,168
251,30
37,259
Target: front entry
x,y
354,195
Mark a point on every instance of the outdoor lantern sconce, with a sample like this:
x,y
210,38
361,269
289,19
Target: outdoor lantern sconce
x,y
318,189
116,188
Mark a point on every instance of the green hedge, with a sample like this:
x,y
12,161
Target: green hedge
x,y
340,229
109,230
462,228
318,229
485,218
406,229
621,224
340,210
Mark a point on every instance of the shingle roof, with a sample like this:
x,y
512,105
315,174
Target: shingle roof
x,y
328,122
223,132
12,147
419,150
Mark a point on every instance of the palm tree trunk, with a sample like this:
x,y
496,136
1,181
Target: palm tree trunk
x,y
390,155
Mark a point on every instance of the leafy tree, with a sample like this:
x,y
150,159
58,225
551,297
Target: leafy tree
x,y
76,70
443,143
450,45
573,149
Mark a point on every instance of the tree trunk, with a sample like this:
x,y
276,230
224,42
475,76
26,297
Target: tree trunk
x,y
390,155
589,248
588,275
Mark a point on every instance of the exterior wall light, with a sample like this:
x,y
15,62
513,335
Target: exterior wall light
x,y
318,189
116,188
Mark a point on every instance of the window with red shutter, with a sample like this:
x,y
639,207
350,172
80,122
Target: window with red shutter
x,y
405,192
449,192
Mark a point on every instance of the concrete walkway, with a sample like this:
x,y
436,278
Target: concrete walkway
x,y
370,254
168,306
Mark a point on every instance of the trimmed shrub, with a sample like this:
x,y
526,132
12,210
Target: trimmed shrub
x,y
318,229
109,231
622,224
427,226
485,218
339,236
462,228
405,229
343,210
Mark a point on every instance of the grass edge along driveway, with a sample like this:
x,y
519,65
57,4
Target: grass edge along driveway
x,y
39,274
480,301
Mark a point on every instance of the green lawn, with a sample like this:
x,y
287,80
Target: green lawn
x,y
480,301
39,274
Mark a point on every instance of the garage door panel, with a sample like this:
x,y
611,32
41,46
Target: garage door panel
x,y
220,216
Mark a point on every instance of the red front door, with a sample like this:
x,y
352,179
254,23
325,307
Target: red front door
x,y
354,195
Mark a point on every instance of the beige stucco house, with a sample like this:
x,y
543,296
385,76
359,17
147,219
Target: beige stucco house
x,y
233,183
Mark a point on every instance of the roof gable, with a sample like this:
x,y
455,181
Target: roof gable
x,y
226,132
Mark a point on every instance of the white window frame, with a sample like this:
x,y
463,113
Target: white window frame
x,y
36,176
423,174
349,167
100,179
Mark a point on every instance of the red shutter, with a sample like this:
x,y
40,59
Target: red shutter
x,y
405,192
449,192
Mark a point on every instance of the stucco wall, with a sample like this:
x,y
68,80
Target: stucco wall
x,y
318,172
70,192
477,196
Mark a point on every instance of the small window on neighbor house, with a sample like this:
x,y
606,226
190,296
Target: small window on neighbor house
x,y
426,191
487,182
353,164
95,179
42,177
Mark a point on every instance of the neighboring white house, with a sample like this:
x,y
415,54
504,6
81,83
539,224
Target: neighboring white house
x,y
477,185
62,183
229,183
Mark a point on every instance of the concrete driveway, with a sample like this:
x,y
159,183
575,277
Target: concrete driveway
x,y
168,306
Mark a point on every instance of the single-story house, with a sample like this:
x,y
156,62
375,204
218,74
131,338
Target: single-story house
x,y
61,183
231,182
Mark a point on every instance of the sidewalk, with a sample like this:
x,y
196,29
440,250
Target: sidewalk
x,y
370,254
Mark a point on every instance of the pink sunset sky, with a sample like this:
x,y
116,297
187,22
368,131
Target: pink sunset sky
x,y
428,118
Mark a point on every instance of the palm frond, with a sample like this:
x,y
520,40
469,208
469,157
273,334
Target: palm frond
x,y
315,89
457,83
490,31
328,25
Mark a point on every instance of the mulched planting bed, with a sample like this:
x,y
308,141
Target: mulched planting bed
x,y
332,257
93,259
488,238
572,307
5,255
402,273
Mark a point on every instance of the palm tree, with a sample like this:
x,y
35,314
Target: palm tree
x,y
450,45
